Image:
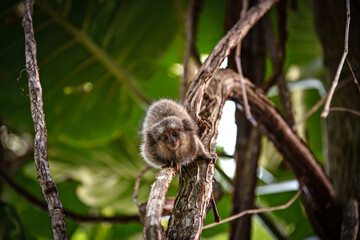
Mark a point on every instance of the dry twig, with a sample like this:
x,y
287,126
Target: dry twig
x,y
341,109
314,108
353,74
248,115
325,112
252,211
137,184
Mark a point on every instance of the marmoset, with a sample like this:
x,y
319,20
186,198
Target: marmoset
x,y
169,136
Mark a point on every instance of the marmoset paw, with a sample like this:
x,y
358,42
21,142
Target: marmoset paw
x,y
210,157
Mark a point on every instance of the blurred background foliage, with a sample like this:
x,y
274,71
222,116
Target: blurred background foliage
x,y
101,62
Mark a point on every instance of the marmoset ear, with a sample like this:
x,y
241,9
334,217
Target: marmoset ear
x,y
150,139
187,125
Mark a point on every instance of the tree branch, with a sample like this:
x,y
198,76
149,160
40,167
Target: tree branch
x,y
137,184
244,7
314,108
341,109
46,182
353,74
155,204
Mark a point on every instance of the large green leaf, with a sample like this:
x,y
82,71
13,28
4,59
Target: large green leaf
x,y
93,58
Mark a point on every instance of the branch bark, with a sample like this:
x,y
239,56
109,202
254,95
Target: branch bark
x,y
155,205
46,182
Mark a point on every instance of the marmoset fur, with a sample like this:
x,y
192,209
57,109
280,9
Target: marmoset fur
x,y
169,136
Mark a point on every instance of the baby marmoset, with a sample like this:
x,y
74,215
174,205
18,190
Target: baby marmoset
x,y
169,136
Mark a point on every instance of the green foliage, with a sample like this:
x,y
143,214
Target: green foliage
x,y
211,25
100,62
11,226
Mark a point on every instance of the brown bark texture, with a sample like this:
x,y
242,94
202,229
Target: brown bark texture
x,y
343,128
155,204
46,182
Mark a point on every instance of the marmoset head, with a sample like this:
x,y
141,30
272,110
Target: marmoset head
x,y
169,135
170,132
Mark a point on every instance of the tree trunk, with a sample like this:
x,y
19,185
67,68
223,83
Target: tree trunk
x,y
343,128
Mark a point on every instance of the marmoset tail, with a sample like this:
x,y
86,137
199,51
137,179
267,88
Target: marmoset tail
x,y
169,136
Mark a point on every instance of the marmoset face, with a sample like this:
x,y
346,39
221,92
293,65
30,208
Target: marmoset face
x,y
169,133
170,138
